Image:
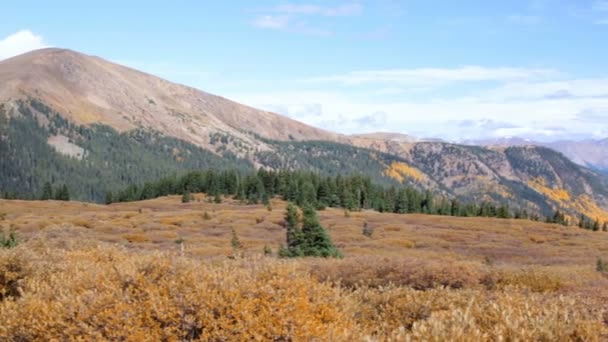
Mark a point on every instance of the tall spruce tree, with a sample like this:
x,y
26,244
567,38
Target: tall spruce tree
x,y
47,192
293,233
63,194
316,240
310,239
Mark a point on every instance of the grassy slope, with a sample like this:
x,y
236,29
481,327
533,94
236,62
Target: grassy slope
x,y
517,279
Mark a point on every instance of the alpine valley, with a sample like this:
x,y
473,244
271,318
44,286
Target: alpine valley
x,y
69,118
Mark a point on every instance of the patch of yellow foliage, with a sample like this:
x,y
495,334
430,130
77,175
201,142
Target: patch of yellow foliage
x,y
400,171
560,195
582,204
587,206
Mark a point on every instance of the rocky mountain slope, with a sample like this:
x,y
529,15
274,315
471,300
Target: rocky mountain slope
x,y
590,153
72,118
87,89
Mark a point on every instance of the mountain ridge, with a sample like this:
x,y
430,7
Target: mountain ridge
x,y
79,106
592,153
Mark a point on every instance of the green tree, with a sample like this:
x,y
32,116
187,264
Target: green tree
x,y
109,198
293,231
308,195
316,241
310,239
63,194
47,192
596,226
186,198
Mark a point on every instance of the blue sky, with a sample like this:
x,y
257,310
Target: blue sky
x,y
450,69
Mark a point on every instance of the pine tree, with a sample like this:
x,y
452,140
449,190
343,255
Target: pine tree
x,y
309,240
401,203
47,192
316,240
63,194
294,234
581,221
308,195
596,226
503,212
186,197
109,198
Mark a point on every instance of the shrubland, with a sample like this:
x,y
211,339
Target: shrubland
x,y
76,275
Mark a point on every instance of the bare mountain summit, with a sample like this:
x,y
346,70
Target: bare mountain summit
x,y
89,89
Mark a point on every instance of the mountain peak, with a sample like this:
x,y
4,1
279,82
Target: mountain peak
x,y
90,90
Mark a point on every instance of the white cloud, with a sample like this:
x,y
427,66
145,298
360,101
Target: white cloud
x,y
545,110
294,17
573,88
272,21
20,42
347,9
433,76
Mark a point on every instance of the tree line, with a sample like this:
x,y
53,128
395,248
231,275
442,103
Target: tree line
x,y
304,188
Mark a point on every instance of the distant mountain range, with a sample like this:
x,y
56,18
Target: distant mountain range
x,y
66,117
589,153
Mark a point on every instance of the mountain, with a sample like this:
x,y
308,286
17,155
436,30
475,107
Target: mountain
x,y
87,89
589,153
66,117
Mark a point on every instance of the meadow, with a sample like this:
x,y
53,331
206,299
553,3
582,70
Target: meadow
x,y
165,270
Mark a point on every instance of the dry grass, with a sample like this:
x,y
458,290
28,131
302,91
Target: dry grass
x,y
116,273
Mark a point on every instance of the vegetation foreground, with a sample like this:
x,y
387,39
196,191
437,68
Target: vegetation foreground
x,y
166,270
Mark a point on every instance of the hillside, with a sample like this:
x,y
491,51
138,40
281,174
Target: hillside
x,y
532,176
96,126
163,269
589,153
90,90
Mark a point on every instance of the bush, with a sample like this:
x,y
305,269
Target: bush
x,y
14,269
368,230
186,197
601,265
9,241
420,274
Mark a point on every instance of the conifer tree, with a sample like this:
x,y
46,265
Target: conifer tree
x,y
401,202
316,240
109,198
596,226
308,195
294,234
309,240
47,192
63,194
186,197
